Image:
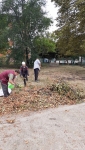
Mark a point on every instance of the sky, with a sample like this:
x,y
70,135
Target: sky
x,y
52,12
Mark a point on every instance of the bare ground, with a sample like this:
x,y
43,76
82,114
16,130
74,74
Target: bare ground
x,y
60,128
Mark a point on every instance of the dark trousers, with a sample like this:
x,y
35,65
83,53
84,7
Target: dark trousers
x,y
25,79
36,72
5,89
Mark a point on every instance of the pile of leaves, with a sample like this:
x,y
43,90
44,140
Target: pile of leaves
x,y
64,89
37,98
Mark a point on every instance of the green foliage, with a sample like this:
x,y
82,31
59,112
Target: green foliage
x,y
64,89
71,31
26,21
45,45
3,33
18,55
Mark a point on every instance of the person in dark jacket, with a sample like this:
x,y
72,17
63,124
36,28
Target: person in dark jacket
x,y
8,76
24,72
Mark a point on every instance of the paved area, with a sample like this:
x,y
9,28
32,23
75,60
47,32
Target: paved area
x,y
61,128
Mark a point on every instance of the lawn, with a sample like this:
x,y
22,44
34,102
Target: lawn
x,y
59,85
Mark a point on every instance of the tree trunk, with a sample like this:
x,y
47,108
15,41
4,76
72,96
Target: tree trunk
x,y
27,60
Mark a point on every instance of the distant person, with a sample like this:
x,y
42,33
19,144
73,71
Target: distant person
x,y
24,72
8,76
37,65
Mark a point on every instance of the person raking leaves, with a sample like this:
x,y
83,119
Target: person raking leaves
x,y
24,72
8,76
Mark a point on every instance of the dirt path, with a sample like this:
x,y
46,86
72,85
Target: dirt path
x,y
61,128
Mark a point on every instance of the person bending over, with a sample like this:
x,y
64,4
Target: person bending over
x,y
8,76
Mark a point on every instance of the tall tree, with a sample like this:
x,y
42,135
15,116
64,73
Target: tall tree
x,y
3,33
26,20
71,23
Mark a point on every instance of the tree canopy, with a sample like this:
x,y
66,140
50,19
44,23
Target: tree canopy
x,y
71,27
25,20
